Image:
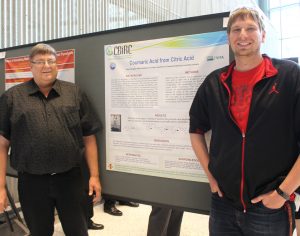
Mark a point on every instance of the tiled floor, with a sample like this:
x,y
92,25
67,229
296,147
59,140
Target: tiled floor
x,y
18,230
135,220
133,223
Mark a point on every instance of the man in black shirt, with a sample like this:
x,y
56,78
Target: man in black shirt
x,y
49,126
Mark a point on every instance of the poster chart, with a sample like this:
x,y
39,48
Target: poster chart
x,y
17,69
149,88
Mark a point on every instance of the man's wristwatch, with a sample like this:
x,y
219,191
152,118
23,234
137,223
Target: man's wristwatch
x,y
283,194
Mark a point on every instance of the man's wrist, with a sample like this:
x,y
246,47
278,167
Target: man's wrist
x,y
94,176
282,194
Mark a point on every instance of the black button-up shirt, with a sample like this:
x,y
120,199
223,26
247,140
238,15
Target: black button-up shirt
x,y
46,134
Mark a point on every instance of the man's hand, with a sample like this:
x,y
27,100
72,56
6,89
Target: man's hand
x,y
214,187
95,188
270,200
4,146
3,200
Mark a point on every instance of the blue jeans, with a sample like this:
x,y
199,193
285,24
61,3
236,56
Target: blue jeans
x,y
226,220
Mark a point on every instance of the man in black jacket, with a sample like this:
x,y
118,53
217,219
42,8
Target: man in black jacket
x,y
252,108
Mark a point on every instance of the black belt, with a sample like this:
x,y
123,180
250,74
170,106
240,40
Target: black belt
x,y
51,174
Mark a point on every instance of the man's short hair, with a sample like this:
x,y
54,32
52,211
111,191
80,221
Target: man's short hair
x,y
243,13
43,49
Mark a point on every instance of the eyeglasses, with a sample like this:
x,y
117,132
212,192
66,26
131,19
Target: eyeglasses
x,y
42,63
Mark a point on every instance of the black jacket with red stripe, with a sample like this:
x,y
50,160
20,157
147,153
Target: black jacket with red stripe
x,y
250,164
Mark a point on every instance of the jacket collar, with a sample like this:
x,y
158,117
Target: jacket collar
x,y
270,69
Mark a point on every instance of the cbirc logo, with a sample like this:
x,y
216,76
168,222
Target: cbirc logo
x,y
119,50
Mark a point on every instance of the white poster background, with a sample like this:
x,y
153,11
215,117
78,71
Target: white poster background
x,y
149,88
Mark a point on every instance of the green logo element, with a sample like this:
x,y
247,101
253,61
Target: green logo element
x,y
109,51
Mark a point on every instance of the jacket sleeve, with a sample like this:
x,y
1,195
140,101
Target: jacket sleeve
x,y
199,116
297,110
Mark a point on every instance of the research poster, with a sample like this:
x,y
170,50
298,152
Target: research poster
x,y
149,88
17,69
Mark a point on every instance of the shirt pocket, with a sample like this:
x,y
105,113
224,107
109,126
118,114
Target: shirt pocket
x,y
71,115
72,118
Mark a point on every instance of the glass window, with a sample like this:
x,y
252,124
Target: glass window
x,y
275,19
281,3
285,19
290,18
274,3
291,47
287,2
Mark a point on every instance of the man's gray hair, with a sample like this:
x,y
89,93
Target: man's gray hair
x,y
43,49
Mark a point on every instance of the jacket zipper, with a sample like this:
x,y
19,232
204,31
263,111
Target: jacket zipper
x,y
242,171
243,150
